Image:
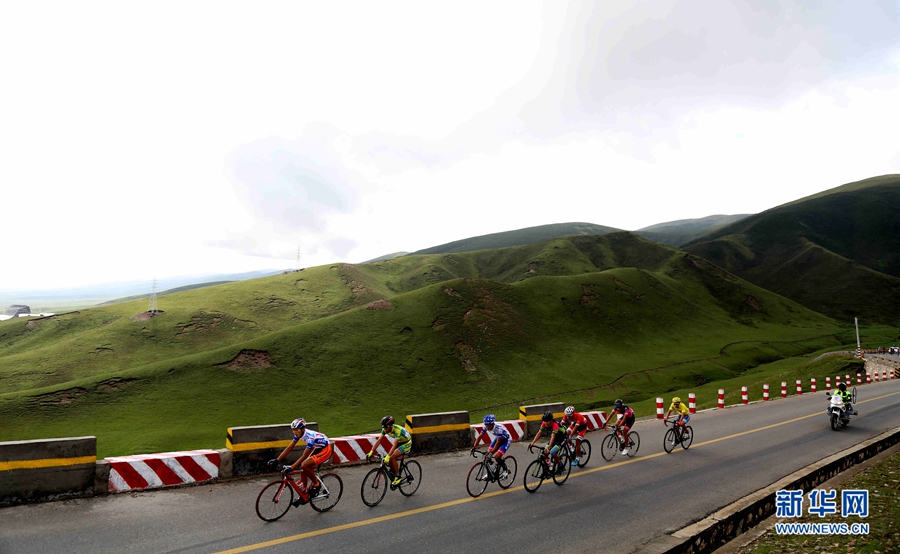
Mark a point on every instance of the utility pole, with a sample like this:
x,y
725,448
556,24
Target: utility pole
x,y
153,309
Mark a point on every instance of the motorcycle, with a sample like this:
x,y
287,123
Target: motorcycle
x,y
837,412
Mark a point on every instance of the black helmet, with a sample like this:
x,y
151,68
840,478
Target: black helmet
x,y
842,386
387,420
618,403
548,416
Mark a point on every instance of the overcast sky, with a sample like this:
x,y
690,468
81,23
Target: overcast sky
x,y
155,139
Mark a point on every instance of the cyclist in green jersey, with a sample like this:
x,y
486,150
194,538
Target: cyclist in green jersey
x,y
402,445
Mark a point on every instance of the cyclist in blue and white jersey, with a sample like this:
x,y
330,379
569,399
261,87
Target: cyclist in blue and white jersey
x,y
501,442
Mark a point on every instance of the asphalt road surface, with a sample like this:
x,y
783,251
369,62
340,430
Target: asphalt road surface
x,y
610,506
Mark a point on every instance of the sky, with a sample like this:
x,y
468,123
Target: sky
x,y
143,140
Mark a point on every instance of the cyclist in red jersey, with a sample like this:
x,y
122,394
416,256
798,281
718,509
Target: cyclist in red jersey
x,y
577,425
625,419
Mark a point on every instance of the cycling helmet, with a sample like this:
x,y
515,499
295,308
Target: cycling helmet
x,y
298,423
842,386
619,404
488,419
387,420
676,400
570,410
548,416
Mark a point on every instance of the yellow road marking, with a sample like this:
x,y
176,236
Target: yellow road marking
x,y
452,503
47,462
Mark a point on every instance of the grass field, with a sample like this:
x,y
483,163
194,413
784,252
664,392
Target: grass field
x,y
583,320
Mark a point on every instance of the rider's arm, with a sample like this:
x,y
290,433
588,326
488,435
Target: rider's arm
x,y
537,436
306,452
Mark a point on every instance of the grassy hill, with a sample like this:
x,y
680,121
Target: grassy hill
x,y
519,237
678,233
346,344
837,252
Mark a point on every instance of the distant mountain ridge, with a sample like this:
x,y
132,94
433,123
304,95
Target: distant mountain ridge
x,y
682,231
519,237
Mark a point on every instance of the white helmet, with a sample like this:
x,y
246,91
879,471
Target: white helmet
x,y
570,410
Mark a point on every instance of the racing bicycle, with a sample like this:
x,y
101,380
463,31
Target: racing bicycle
x,y
487,471
678,434
276,498
613,443
580,461
544,468
375,484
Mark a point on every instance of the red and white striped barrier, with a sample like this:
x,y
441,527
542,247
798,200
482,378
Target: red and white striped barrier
x,y
812,385
765,392
660,412
516,428
876,376
858,379
596,420
868,378
354,448
784,389
692,403
744,396
828,383
837,381
799,387
847,379
721,403
151,471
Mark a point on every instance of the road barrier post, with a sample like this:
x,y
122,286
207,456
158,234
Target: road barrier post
x,y
743,395
692,403
812,385
876,376
766,392
783,389
721,398
847,379
828,383
858,379
837,381
868,378
659,408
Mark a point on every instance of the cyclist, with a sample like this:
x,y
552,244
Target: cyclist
x,y
501,442
402,444
318,451
847,398
577,425
684,414
557,435
625,419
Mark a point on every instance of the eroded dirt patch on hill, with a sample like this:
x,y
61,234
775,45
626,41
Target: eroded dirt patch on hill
x,y
249,360
380,305
114,384
60,397
144,316
206,322
754,303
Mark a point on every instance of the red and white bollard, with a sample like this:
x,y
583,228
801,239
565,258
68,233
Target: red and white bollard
x,y
659,408
721,398
812,385
868,378
784,389
743,395
876,376
828,383
799,387
766,391
692,403
847,379
858,379
837,382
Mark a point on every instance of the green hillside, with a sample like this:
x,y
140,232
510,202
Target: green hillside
x,y
345,344
519,237
837,252
683,231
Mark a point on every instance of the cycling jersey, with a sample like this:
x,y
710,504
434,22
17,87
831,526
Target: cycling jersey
x,y
501,436
400,433
313,439
576,420
553,428
681,409
626,416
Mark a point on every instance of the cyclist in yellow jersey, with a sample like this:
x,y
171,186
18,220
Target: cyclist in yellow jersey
x,y
684,414
402,445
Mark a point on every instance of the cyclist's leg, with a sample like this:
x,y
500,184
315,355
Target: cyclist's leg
x,y
499,452
579,434
311,464
395,453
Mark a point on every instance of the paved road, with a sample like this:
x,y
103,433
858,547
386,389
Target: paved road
x,y
610,506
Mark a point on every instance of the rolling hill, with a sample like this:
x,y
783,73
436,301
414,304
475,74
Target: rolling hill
x,y
451,331
678,233
836,252
519,237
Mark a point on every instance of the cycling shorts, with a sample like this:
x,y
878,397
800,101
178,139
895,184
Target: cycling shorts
x,y
502,445
580,430
627,423
405,447
684,418
321,455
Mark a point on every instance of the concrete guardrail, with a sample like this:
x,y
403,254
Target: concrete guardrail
x,y
47,469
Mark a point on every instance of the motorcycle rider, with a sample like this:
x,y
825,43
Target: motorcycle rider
x,y
847,398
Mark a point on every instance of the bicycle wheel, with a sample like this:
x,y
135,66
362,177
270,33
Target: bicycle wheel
x,y
562,471
853,395
534,476
507,480
374,486
412,478
585,453
609,447
274,500
634,442
687,437
477,481
669,440
330,491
